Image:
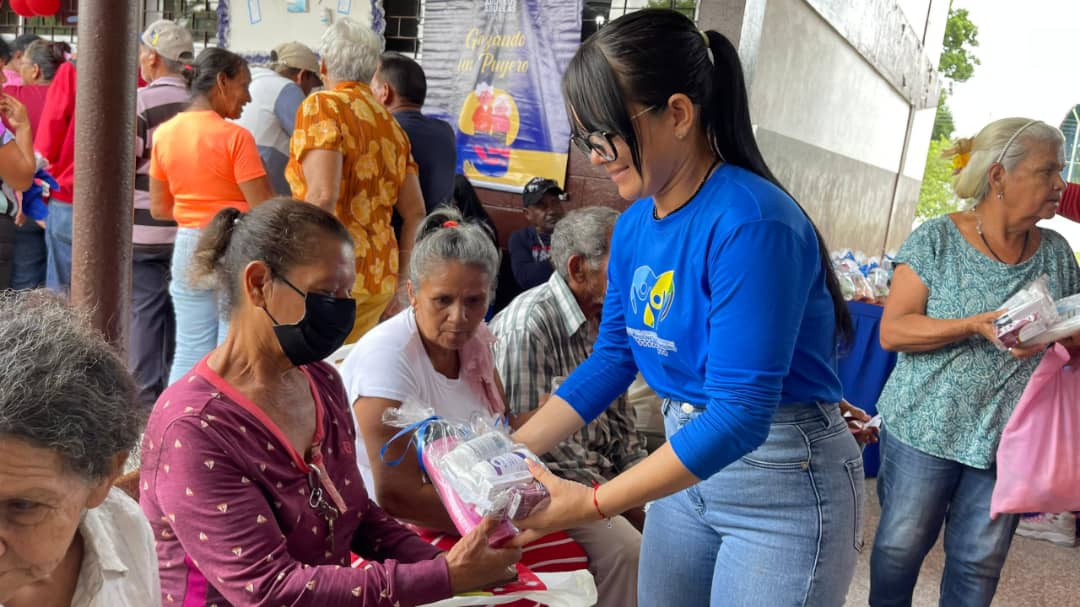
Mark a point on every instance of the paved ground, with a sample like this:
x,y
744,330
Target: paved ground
x,y
1037,574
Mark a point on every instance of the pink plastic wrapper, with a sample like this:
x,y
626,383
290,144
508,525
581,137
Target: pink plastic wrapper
x,y
464,515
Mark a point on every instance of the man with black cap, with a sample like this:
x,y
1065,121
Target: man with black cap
x,y
530,248
165,51
276,93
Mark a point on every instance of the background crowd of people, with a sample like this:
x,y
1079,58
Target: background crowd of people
x,y
286,210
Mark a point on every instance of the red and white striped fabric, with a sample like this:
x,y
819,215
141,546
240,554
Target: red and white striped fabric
x,y
553,553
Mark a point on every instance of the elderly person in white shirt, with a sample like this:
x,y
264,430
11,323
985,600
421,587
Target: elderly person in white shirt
x,y
68,419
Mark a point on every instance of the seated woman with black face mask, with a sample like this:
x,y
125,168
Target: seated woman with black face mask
x,y
249,476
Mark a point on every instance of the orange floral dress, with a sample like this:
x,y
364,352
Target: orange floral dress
x,y
376,158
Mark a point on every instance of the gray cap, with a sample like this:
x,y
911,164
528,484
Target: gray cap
x,y
170,40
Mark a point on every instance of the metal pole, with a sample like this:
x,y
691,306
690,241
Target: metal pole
x,y
105,164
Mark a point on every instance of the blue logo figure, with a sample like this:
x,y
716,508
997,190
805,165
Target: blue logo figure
x,y
656,294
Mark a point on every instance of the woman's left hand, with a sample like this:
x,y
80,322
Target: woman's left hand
x,y
856,420
571,505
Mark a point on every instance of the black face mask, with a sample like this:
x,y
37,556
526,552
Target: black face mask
x,y
326,324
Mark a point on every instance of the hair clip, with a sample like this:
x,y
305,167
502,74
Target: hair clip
x,y
450,224
960,161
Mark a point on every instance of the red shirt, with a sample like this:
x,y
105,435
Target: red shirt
x,y
33,97
1069,208
55,137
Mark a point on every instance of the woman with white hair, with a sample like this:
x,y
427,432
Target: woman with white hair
x,y
349,156
947,402
68,419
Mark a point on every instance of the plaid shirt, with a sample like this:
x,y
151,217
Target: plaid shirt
x,y
541,335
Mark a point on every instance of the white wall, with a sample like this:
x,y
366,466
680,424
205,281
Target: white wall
x,y
277,25
811,85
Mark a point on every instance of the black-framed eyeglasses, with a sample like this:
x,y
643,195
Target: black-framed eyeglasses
x,y
602,142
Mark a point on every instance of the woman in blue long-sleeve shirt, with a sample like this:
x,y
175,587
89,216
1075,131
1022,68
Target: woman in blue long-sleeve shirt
x,y
720,292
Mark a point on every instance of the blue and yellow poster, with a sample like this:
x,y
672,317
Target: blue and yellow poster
x,y
494,70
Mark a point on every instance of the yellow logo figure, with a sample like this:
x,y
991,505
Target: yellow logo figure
x,y
655,293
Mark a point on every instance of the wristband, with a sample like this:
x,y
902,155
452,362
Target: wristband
x,y
596,501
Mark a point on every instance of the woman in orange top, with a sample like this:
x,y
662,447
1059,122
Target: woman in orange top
x,y
349,156
202,163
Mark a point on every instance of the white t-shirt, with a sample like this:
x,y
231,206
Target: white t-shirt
x,y
390,362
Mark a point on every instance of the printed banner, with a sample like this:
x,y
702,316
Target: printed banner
x,y
494,70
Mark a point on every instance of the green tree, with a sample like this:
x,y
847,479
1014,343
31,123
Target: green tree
x,y
943,120
958,60
957,64
936,196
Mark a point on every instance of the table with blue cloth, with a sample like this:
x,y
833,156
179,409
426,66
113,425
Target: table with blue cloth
x,y
864,368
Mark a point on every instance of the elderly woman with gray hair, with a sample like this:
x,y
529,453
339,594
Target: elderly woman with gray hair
x,y
68,419
436,353
946,404
351,158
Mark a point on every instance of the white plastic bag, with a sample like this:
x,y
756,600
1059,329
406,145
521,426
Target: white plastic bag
x,y
1027,314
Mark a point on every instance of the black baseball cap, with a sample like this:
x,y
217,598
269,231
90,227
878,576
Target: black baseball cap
x,y
537,187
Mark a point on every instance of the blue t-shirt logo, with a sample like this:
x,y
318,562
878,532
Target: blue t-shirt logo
x,y
655,293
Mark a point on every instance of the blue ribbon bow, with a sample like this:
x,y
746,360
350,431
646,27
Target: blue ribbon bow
x,y
418,428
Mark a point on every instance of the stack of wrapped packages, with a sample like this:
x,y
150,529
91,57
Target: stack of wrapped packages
x,y
863,278
1032,317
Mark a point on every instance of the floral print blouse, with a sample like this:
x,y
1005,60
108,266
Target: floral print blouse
x,y
376,156
954,402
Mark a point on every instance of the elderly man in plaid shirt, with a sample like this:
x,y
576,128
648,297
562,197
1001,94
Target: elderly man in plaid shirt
x,y
543,335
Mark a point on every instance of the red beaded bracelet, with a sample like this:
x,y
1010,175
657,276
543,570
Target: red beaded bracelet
x,y
596,500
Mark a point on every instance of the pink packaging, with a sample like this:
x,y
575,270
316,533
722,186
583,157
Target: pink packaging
x,y
464,515
1038,459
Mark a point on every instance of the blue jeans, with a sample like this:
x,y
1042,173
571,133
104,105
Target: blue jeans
x,y
7,249
31,257
58,243
780,527
199,327
918,493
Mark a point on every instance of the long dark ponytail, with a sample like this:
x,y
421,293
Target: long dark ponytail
x,y
649,55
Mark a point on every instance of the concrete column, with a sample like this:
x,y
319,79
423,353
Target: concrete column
x,y
105,164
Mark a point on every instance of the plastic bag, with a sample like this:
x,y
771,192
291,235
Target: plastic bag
x,y
1038,459
1068,323
477,469
879,282
847,286
569,589
1028,313
863,290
